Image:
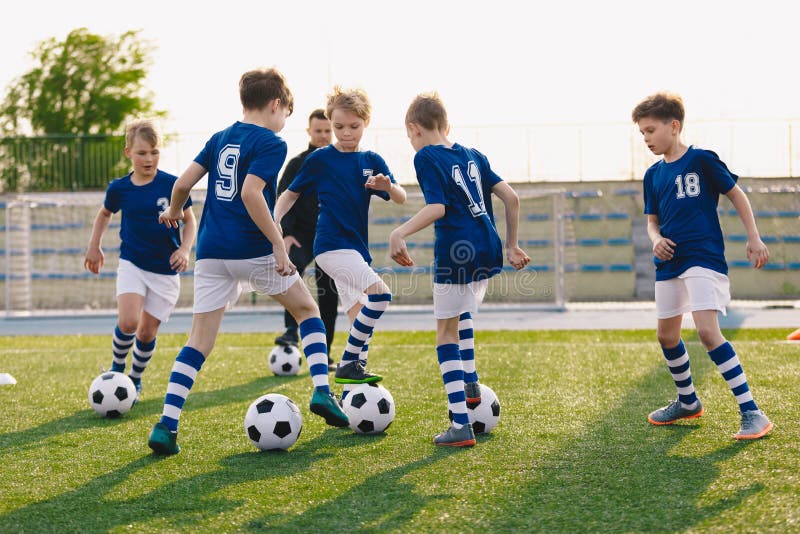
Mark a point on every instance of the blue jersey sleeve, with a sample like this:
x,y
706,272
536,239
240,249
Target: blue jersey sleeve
x,y
488,176
430,180
650,202
268,159
112,200
305,179
717,173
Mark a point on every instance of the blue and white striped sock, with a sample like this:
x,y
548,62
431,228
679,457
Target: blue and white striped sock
x,y
364,324
466,346
181,380
728,364
678,365
315,347
121,344
142,352
453,377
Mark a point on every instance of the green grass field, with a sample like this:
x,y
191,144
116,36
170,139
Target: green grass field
x,y
573,451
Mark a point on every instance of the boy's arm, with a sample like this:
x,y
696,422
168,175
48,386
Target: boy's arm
x,y
663,248
180,194
179,260
257,208
95,258
757,251
516,256
397,194
423,218
284,204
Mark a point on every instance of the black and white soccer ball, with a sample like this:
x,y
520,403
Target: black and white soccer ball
x,y
370,408
485,415
273,421
285,360
112,394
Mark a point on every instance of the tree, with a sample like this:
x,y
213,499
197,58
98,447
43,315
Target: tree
x,y
86,84
61,121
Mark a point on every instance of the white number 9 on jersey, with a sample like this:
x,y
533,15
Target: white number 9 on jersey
x,y
226,186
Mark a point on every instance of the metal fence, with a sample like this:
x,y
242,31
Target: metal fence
x,y
60,162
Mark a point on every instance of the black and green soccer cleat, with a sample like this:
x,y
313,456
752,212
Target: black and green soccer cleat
x,y
163,441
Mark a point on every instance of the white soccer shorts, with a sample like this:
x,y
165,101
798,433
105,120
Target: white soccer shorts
x,y
696,289
160,291
451,300
218,283
351,274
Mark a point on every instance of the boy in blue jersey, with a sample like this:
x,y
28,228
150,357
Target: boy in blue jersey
x,y
345,179
151,256
681,193
457,183
240,244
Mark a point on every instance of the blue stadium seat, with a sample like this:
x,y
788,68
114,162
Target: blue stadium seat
x,y
538,217
627,192
590,242
617,216
590,216
595,193
619,241
620,268
592,268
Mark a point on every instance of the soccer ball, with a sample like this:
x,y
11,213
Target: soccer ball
x,y
273,421
370,408
285,360
112,394
485,415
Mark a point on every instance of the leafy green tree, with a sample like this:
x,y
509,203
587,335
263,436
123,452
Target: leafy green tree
x,y
61,121
85,84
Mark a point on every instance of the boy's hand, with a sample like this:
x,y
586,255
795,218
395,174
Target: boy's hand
x,y
378,182
171,217
283,265
517,257
179,261
757,252
289,242
398,250
94,260
664,249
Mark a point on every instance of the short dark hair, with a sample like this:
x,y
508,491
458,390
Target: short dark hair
x,y
427,110
662,106
318,113
259,87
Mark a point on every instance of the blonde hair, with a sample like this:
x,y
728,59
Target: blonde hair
x,y
427,110
143,128
663,106
354,100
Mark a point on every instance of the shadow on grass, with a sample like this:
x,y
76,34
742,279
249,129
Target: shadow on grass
x,y
382,502
624,475
149,409
179,505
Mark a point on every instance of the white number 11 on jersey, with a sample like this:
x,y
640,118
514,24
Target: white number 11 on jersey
x,y
476,206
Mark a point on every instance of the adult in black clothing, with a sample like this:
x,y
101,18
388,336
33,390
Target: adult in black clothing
x,y
299,227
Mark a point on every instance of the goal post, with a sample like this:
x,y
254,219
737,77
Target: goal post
x,y
45,238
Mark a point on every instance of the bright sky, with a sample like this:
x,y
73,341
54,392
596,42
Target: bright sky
x,y
494,63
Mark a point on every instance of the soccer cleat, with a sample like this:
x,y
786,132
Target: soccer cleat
x,y
672,412
163,441
473,392
456,437
137,383
287,338
355,373
326,406
754,425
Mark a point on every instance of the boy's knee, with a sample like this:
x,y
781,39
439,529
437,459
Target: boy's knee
x,y
668,340
128,326
709,337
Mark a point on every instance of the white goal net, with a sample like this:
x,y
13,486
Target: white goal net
x,y
45,238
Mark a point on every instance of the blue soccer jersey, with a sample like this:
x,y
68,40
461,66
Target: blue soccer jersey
x,y
143,241
467,247
226,229
684,194
338,178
